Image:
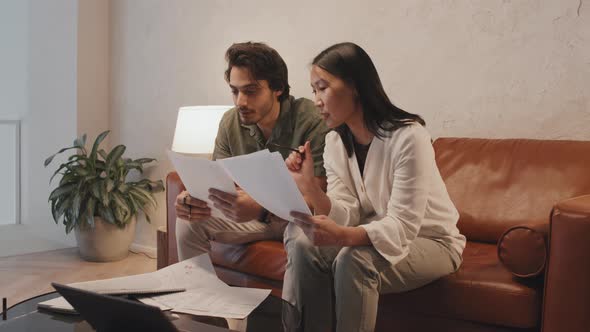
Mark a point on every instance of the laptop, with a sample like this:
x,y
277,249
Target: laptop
x,y
115,314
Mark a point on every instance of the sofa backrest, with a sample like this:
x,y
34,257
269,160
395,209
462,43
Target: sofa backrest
x,y
499,183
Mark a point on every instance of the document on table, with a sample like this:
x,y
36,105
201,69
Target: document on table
x,y
206,295
199,174
174,278
58,304
263,175
216,301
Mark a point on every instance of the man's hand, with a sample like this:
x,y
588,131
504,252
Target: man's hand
x,y
320,230
277,226
238,208
190,208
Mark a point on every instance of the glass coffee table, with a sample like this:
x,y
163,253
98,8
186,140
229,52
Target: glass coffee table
x,y
25,316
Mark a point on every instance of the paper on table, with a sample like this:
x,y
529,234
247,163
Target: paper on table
x,y
58,304
177,277
207,295
149,301
191,273
233,302
194,272
141,283
198,175
265,177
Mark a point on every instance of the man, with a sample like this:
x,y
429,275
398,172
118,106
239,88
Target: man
x,y
265,114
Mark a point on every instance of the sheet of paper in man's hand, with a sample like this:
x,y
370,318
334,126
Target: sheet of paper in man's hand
x,y
199,174
265,177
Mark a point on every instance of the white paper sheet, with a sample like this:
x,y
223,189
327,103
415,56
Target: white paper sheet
x,y
199,174
177,277
233,302
206,295
265,177
149,301
58,304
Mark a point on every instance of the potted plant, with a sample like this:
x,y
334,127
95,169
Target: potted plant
x,y
95,199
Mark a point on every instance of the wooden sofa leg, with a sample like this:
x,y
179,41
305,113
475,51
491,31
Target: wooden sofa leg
x,y
162,243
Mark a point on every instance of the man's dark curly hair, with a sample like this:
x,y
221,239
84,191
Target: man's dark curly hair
x,y
263,63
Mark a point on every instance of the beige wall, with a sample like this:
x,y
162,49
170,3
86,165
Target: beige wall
x,y
493,68
93,69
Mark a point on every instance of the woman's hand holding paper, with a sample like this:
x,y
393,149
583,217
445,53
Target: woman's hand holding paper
x,y
321,230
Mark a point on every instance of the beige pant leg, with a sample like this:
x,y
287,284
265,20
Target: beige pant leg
x,y
307,284
193,238
361,274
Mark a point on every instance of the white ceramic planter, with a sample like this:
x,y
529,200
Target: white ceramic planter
x,y
105,242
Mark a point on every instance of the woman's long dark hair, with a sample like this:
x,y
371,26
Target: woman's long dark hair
x,y
352,64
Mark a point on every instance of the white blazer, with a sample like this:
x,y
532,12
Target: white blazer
x,y
400,196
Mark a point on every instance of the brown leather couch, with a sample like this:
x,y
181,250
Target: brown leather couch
x,y
525,210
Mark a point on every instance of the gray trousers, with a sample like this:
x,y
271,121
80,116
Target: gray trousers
x,y
322,281
193,238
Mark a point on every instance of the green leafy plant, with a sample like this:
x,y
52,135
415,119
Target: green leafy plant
x,y
94,184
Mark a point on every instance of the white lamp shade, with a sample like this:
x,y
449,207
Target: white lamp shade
x,y
196,128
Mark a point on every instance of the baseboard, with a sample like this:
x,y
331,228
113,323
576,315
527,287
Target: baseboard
x,y
151,252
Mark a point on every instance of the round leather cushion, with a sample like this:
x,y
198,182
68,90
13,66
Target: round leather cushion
x,y
523,249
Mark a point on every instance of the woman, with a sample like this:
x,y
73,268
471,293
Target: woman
x,y
386,223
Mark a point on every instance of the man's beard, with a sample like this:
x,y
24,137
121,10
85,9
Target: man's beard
x,y
247,116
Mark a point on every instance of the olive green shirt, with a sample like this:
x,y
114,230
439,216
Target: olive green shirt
x,y
298,121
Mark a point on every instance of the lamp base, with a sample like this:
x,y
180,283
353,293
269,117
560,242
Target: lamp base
x,y
208,156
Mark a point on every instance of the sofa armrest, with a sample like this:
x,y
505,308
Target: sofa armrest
x,y
523,250
566,305
163,258
174,186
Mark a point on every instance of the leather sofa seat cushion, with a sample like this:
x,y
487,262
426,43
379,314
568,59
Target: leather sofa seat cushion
x,y
266,259
523,250
482,290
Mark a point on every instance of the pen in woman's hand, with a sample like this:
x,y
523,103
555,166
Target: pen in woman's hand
x,y
288,148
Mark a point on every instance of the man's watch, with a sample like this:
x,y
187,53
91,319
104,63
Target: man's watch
x,y
263,217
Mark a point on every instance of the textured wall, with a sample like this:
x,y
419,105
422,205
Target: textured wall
x,y
487,68
93,62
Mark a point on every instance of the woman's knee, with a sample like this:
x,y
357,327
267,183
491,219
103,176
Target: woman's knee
x,y
352,261
299,248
